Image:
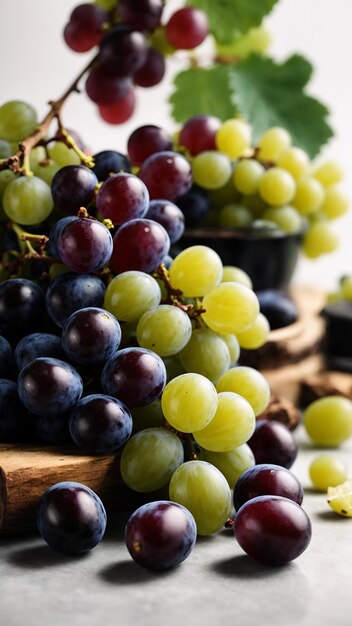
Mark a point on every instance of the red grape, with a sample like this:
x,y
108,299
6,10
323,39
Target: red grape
x,y
166,174
152,71
84,245
187,28
139,244
141,14
272,442
147,140
123,197
103,87
84,30
119,111
168,215
198,133
267,479
123,50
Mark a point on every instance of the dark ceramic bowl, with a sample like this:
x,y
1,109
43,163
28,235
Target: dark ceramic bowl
x,y
268,256
338,336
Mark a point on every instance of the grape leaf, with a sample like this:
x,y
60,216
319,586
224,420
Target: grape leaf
x,y
272,94
202,91
228,19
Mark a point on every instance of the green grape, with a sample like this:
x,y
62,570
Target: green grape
x,y
189,402
340,498
6,177
335,203
254,40
233,138
211,169
131,294
233,348
206,353
5,149
277,187
173,366
295,161
272,143
326,471
255,204
227,194
232,425
309,196
233,274
319,239
231,463
62,154
230,308
286,217
346,287
195,271
150,458
204,491
107,5
27,200
165,329
235,216
266,228
247,175
328,173
328,421
158,40
17,120
41,166
255,335
148,416
249,383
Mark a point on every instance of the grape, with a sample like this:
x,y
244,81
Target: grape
x,y
142,15
233,274
21,306
122,197
36,345
49,386
123,49
204,491
152,71
326,471
139,244
17,120
267,480
309,196
272,143
91,336
165,329
272,442
206,353
6,358
84,245
198,134
166,174
135,376
232,463
328,173
46,170
230,308
235,216
70,292
148,416
277,187
254,40
6,177
71,518
189,402
233,138
100,424
255,335
195,205
147,140
272,530
5,149
319,239
131,294
109,162
196,270
211,169
160,535
73,187
62,154
247,175
169,216
13,416
107,5
51,246
27,200
335,203
121,110
231,426
286,218
294,160
150,458
187,28
328,421
233,347
278,308
104,87
339,498
84,29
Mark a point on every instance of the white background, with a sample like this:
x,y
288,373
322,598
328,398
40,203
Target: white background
x,y
36,65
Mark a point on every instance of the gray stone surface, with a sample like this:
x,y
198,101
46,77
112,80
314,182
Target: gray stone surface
x,y
218,584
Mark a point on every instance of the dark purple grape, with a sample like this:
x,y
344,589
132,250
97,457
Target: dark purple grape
x,y
110,162
152,71
267,479
139,244
12,412
160,535
100,424
123,50
195,205
84,30
49,386
168,215
272,529
36,345
70,292
147,140
104,87
73,187
142,15
135,376
278,308
22,306
272,442
51,246
123,197
53,429
71,518
167,175
85,245
91,336
198,134
6,358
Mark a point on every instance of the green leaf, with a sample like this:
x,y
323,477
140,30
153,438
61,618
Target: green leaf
x,y
228,19
272,94
200,91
